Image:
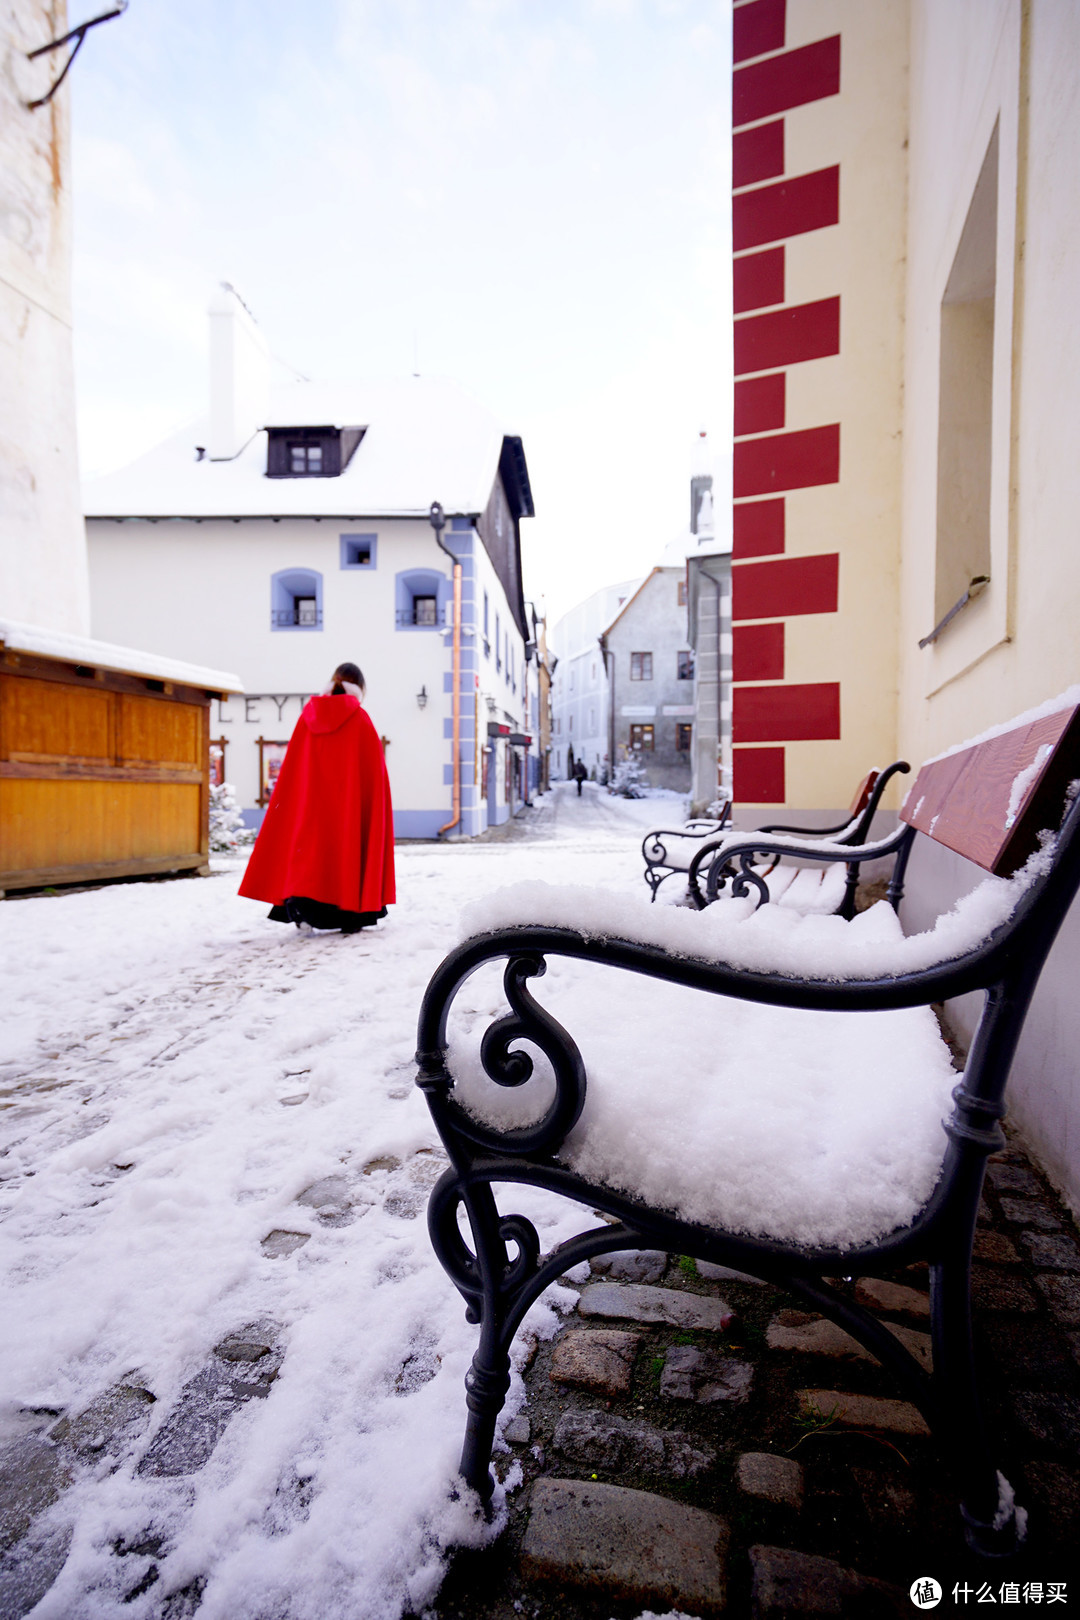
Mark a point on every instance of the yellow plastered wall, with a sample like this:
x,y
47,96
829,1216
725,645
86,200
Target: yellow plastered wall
x,y
976,63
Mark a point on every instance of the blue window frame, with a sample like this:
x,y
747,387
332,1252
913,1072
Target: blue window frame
x,y
421,599
296,599
359,550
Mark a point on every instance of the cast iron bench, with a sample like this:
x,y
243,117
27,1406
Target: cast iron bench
x,y
988,802
668,850
796,886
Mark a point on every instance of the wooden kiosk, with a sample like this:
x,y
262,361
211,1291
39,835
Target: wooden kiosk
x,y
104,760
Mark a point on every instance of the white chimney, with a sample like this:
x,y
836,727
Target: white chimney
x,y
239,375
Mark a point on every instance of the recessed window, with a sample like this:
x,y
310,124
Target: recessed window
x,y
421,599
296,599
641,738
641,667
683,732
962,564
684,663
358,550
682,593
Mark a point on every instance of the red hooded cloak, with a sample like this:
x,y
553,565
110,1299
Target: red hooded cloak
x,y
328,833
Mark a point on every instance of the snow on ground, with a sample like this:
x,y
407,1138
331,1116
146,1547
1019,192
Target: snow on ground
x,y
175,1073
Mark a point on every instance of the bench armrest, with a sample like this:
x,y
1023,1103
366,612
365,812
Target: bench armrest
x,y
525,949
858,822
721,853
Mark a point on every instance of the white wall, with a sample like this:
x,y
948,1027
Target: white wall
x,y
501,687
43,578
975,63
579,694
201,591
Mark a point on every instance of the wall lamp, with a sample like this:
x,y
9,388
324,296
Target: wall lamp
x,y
421,698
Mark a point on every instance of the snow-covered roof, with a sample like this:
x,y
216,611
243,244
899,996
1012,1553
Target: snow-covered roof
x,y
33,638
687,544
628,604
425,440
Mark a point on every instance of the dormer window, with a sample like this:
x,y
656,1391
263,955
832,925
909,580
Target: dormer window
x,y
310,452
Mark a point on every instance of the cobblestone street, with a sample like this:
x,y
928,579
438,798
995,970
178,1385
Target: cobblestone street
x,y
676,1384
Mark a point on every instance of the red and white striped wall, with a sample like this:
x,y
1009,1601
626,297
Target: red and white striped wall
x,y
769,206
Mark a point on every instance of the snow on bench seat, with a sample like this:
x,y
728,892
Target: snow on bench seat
x,y
816,1128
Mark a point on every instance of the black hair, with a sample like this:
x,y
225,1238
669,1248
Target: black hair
x,y
346,672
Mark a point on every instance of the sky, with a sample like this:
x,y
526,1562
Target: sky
x,y
527,196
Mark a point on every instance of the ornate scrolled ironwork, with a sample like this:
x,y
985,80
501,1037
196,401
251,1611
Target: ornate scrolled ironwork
x,y
527,1021
744,880
461,1264
453,1253
653,850
659,863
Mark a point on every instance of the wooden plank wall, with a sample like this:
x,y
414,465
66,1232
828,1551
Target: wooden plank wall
x,y
100,774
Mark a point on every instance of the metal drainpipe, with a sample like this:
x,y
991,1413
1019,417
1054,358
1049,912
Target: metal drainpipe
x,y
611,708
437,519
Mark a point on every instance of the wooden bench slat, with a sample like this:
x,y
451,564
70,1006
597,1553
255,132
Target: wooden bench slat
x,y
963,800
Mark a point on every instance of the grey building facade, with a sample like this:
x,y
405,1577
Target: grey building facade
x,y
650,670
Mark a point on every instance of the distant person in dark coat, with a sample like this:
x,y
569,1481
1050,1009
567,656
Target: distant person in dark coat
x,y
325,851
580,775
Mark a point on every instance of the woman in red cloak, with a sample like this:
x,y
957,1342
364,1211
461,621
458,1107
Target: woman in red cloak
x,y
325,851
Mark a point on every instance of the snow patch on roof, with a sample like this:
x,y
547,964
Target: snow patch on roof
x,y
425,440
32,638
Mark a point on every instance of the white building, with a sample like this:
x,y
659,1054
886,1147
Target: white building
x,y
579,690
289,532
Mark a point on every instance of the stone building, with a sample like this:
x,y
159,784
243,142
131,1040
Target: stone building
x,y
708,611
650,670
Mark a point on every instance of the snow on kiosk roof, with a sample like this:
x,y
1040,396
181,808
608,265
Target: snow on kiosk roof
x,y
423,440
32,638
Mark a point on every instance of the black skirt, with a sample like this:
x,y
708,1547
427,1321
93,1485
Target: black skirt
x,y
317,914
